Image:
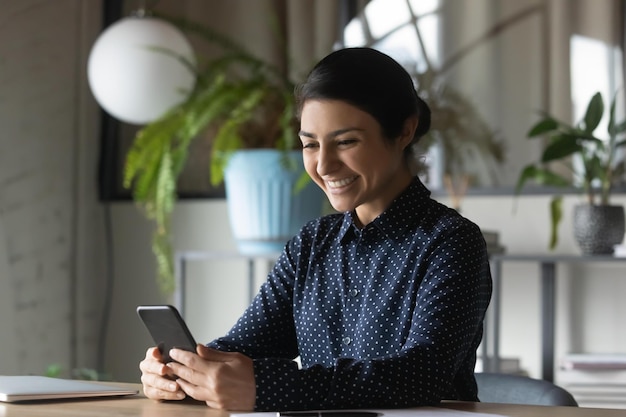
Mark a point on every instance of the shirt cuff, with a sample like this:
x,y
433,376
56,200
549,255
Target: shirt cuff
x,y
281,386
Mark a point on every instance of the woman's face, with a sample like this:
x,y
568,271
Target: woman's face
x,y
346,154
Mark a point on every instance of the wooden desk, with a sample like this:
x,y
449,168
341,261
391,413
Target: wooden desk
x,y
515,410
143,407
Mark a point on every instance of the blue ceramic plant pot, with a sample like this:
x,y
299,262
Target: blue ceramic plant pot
x,y
264,209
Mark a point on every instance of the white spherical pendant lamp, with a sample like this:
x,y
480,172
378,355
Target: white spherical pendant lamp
x,y
129,74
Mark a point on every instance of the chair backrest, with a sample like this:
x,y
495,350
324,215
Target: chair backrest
x,y
517,389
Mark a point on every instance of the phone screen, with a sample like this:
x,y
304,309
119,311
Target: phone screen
x,y
167,328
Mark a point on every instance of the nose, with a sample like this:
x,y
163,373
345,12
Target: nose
x,y
327,160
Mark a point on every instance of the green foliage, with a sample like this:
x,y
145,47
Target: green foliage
x,y
458,126
88,374
54,370
597,156
556,213
238,99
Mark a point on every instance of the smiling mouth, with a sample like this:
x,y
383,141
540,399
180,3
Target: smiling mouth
x,y
341,183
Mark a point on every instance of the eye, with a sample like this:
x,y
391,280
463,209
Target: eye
x,y
309,145
346,142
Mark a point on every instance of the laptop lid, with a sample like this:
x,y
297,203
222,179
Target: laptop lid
x,y
15,388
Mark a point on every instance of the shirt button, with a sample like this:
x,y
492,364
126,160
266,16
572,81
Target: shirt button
x,y
354,292
347,340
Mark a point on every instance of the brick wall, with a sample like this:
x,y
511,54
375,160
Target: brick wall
x,y
48,149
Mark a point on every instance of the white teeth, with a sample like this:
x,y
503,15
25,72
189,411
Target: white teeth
x,y
341,183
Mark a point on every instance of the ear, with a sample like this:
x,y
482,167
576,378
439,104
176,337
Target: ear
x,y
408,131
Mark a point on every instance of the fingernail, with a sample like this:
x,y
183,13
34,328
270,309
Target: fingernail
x,y
180,395
172,387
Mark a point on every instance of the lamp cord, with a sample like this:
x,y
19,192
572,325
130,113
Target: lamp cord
x,y
108,291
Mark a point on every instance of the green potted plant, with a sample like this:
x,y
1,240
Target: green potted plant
x,y
242,102
597,172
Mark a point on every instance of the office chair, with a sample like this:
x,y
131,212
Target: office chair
x,y
517,389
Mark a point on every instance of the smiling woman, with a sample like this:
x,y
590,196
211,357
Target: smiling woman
x,y
347,156
368,297
358,140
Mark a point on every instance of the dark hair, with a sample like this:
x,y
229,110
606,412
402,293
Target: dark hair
x,y
371,81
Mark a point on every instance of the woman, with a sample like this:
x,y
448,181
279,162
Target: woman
x,y
384,302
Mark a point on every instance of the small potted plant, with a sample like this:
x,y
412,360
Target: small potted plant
x,y
598,225
244,104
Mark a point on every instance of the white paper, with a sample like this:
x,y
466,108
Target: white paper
x,y
405,412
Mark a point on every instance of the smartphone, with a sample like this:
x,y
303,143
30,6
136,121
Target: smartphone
x,y
328,413
167,328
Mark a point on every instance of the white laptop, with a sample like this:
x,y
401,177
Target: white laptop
x,y
15,388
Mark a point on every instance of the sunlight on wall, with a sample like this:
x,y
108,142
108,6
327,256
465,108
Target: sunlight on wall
x,y
604,75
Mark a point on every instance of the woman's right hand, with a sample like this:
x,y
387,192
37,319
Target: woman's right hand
x,y
156,378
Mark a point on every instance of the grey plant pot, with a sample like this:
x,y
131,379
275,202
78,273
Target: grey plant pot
x,y
598,228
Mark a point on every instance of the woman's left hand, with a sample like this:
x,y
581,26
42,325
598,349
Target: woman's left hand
x,y
223,380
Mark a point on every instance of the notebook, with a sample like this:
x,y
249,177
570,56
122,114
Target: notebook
x,y
15,388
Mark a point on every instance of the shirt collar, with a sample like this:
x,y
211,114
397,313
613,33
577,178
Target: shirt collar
x,y
405,209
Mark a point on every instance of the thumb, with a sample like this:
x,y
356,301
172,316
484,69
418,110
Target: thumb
x,y
212,354
155,353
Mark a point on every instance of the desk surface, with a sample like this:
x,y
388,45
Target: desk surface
x,y
548,257
143,407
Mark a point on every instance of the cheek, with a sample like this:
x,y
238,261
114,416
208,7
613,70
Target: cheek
x,y
310,164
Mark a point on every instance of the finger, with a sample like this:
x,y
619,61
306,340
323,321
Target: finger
x,y
184,357
192,390
213,354
158,382
157,394
186,373
157,387
153,352
153,366
174,369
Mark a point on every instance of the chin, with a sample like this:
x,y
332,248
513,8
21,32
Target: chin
x,y
340,207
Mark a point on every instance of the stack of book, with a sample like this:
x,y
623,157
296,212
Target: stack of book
x,y
595,380
492,238
619,250
594,362
505,366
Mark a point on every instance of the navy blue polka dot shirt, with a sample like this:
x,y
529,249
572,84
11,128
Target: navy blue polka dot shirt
x,y
389,315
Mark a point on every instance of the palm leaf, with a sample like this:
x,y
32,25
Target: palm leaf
x,y
543,126
541,176
594,112
561,146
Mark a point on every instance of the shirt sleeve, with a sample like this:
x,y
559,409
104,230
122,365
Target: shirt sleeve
x,y
445,327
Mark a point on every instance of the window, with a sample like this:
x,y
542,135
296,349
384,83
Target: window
x,y
408,31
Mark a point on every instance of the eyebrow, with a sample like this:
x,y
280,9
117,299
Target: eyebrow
x,y
332,134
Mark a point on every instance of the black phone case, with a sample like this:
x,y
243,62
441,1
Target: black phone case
x,y
167,328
